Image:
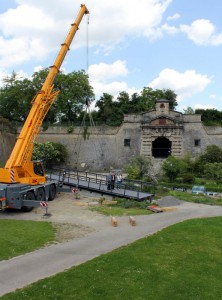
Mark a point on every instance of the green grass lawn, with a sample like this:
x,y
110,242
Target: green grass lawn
x,y
19,237
120,211
182,261
196,198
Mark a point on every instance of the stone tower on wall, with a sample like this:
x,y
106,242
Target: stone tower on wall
x,y
162,131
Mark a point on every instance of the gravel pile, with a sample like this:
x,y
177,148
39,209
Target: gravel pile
x,y
169,201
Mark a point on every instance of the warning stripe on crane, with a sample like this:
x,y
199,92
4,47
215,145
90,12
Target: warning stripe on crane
x,y
12,175
43,204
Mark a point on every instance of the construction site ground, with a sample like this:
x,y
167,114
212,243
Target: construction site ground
x,y
84,234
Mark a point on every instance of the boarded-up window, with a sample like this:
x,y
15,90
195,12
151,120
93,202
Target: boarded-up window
x,y
162,121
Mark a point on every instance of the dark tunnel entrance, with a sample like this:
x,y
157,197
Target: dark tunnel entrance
x,y
161,147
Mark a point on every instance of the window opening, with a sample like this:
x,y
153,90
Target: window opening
x,y
197,143
126,142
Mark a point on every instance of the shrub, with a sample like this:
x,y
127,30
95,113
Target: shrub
x,y
188,178
70,129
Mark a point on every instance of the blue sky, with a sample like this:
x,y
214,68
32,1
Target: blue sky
x,y
171,44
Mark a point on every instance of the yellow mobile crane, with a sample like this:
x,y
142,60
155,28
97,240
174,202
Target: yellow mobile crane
x,y
22,182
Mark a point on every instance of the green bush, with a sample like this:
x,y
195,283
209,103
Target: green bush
x,y
70,129
188,178
130,203
214,188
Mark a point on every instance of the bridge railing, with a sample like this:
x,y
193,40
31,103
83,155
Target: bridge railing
x,y
90,179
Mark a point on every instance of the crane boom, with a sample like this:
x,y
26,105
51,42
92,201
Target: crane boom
x,y
19,167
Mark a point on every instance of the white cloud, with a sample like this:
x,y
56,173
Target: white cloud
x,y
35,28
112,88
184,84
103,71
202,32
101,74
173,17
169,29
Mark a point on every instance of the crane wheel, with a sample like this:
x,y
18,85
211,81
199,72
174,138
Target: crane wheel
x,y
41,194
29,196
52,192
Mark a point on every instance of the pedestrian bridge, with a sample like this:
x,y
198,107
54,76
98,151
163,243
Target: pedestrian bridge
x,y
94,182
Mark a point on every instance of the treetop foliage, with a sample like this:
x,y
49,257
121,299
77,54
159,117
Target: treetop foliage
x,y
70,105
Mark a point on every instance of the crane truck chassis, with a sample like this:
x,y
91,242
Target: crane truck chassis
x,y
26,196
23,184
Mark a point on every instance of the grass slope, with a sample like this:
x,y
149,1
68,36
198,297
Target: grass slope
x,y
19,237
180,262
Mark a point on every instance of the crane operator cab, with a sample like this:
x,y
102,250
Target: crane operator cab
x,y
38,168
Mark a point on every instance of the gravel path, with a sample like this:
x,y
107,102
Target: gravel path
x,y
28,268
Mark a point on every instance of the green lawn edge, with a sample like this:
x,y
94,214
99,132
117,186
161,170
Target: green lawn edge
x,y
21,236
182,261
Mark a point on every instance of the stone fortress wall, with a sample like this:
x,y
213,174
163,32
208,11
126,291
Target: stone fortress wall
x,y
154,134
7,142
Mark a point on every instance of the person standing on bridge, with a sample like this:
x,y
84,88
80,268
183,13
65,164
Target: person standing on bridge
x,y
113,180
118,181
109,181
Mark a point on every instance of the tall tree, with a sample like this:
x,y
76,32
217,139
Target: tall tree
x,y
15,97
75,92
189,111
17,93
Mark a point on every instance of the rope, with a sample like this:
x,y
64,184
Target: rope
x,y
78,144
83,124
87,43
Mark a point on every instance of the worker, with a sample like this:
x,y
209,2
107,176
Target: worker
x,y
109,181
113,181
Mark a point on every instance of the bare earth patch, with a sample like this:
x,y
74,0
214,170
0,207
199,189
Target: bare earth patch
x,y
71,217
67,231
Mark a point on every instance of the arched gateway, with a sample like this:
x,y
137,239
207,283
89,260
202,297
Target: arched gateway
x,y
161,147
162,132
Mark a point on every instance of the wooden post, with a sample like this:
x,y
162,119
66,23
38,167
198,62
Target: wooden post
x,y
132,221
114,222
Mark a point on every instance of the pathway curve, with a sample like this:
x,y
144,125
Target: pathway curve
x,y
25,269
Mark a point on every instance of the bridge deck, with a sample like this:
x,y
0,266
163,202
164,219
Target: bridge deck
x,y
130,189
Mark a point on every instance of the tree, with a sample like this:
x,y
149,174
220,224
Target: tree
x,y
74,92
171,96
138,168
112,111
171,167
210,117
50,153
212,154
17,93
189,111
106,108
15,98
213,171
